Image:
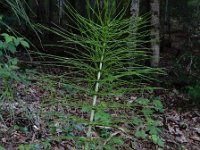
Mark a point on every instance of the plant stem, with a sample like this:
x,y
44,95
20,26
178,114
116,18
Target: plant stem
x,y
96,90
94,99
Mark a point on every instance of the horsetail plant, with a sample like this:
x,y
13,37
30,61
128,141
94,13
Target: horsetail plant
x,y
99,53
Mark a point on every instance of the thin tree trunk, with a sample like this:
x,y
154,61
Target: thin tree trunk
x,y
60,5
167,27
134,11
155,32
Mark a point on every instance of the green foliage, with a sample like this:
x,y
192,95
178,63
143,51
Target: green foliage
x,y
147,126
11,41
32,147
8,65
102,117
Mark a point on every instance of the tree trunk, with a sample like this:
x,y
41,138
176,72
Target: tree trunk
x,y
155,32
167,30
134,10
60,5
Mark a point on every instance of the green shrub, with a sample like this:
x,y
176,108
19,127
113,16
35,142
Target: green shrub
x,y
8,64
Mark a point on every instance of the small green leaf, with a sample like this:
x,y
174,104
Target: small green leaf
x,y
4,34
153,130
147,111
18,40
103,117
7,37
11,48
136,121
157,140
142,101
154,138
150,121
158,105
25,44
140,134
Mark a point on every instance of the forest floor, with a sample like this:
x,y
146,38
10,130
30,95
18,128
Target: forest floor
x,y
21,124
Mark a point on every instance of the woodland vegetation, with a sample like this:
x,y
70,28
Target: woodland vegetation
x,y
99,74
